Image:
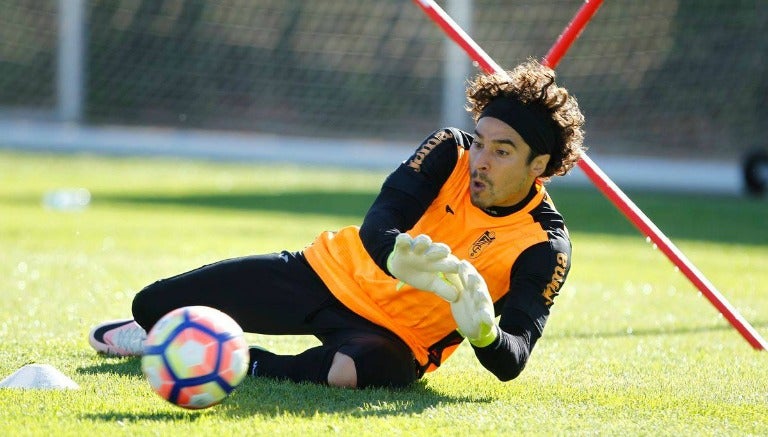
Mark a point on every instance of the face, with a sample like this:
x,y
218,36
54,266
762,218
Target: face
x,y
498,165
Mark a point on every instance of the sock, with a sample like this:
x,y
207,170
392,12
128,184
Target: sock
x,y
257,356
311,365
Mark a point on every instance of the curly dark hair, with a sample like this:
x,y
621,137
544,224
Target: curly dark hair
x,y
534,84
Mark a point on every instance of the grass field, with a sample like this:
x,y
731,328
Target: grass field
x,y
631,347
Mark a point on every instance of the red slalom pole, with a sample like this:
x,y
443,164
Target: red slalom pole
x,y
593,172
571,32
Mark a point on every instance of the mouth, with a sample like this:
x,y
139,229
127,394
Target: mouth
x,y
477,186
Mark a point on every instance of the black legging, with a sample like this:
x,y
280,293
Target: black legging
x,y
278,294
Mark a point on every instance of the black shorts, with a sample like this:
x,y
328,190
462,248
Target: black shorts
x,y
280,294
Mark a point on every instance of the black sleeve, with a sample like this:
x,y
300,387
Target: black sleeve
x,y
409,190
536,278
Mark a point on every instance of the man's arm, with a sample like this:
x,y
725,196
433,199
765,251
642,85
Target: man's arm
x,y
408,192
536,277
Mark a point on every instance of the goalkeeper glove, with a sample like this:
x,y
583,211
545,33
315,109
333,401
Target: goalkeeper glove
x,y
473,310
422,264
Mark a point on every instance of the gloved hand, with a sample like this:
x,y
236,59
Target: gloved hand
x,y
423,264
473,310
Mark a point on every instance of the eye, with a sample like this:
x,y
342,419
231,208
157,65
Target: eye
x,y
502,152
476,144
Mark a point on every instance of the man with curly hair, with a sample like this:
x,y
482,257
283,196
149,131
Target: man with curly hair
x,y
462,234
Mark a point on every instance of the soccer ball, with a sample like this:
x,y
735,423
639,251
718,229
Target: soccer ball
x,y
195,356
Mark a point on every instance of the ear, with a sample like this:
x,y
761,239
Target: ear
x,y
539,164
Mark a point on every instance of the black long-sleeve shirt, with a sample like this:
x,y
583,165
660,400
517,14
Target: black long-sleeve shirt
x,y
535,276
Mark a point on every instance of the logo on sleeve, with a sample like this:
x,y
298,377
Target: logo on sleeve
x,y
553,288
481,243
426,147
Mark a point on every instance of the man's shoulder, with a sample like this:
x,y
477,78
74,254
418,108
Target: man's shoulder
x,y
546,214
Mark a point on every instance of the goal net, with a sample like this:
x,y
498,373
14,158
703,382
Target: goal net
x,y
656,77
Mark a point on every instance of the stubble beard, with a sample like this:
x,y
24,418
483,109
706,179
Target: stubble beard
x,y
476,198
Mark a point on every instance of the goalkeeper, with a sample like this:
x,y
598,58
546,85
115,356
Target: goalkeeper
x,y
462,242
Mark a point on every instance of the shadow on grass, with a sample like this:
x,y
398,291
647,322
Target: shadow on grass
x,y
721,219
121,416
344,204
118,366
273,398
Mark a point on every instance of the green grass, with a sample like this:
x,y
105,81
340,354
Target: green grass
x,y
631,346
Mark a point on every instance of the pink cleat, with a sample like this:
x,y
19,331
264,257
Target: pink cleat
x,y
122,338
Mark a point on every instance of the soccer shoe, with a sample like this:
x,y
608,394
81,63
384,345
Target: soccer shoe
x,y
122,338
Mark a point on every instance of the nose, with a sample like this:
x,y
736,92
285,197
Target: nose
x,y
480,161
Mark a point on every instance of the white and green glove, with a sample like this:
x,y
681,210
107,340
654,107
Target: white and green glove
x,y
423,264
473,310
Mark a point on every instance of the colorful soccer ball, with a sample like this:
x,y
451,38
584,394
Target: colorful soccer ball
x,y
195,356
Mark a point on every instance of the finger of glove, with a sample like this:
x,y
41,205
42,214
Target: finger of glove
x,y
445,265
420,244
481,299
437,251
403,242
443,288
481,314
454,280
475,289
474,282
468,275
473,279
484,316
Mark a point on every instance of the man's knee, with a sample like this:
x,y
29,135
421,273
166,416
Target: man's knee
x,y
342,372
145,308
373,363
